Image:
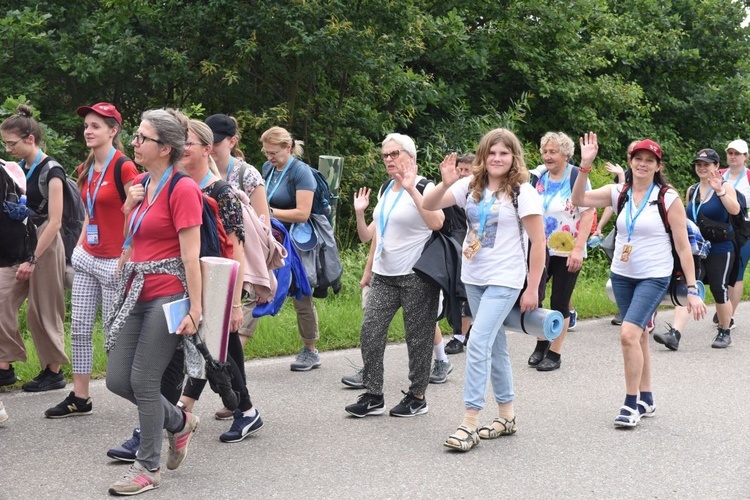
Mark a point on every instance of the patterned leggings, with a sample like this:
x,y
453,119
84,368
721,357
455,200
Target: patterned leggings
x,y
94,283
419,299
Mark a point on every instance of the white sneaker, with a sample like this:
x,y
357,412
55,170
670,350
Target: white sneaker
x,y
3,414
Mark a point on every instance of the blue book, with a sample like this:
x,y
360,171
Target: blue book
x,y
175,311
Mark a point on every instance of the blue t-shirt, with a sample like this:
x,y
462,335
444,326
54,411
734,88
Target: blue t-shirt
x,y
298,178
714,210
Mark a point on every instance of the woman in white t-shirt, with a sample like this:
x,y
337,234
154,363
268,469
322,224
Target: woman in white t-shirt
x,y
738,176
504,213
642,263
400,230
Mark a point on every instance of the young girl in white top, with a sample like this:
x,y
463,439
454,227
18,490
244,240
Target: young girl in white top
x,y
504,214
642,262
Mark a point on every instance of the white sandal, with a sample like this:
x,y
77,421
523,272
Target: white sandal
x,y
629,420
648,410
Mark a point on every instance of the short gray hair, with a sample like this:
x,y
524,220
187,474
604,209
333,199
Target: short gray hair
x,y
171,127
567,147
406,142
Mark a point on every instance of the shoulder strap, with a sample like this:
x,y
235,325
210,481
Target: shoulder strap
x,y
573,176
422,184
118,177
622,199
691,190
662,206
514,199
217,187
241,178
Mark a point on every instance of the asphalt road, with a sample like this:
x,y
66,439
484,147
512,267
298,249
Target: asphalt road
x,y
697,445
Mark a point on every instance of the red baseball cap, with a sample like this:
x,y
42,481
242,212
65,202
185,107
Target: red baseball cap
x,y
647,145
101,108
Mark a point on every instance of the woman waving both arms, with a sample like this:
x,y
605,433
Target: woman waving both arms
x,y
642,263
505,215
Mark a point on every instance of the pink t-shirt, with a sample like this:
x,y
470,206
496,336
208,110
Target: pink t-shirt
x,y
157,238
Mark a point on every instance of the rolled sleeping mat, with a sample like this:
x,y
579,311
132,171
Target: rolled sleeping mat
x,y
676,294
219,278
542,323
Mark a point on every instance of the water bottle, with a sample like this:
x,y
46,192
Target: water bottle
x,y
22,200
594,241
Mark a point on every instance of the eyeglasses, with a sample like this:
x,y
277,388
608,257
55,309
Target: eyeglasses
x,y
270,154
12,144
189,144
393,154
139,139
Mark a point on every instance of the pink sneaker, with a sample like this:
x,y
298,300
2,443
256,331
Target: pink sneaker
x,y
179,441
137,480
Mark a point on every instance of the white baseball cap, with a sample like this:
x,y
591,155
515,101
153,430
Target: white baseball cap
x,y
738,145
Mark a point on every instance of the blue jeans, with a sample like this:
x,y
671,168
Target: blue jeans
x,y
487,354
637,299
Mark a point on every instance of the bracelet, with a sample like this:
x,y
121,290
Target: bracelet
x,y
690,292
692,286
32,259
585,170
236,306
723,193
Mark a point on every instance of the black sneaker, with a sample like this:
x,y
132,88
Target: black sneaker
x,y
722,339
410,406
454,346
47,380
8,377
70,407
617,320
367,404
670,338
127,450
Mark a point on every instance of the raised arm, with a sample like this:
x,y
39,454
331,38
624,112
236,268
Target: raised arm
x,y
601,197
440,197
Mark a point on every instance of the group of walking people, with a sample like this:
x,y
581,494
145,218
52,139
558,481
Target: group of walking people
x,y
139,249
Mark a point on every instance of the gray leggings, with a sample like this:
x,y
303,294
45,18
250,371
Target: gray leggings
x,y
419,299
134,371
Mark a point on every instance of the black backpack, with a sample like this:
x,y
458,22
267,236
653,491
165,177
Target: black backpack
x,y
73,210
19,234
741,233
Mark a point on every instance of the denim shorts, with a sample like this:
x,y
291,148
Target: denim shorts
x,y
637,299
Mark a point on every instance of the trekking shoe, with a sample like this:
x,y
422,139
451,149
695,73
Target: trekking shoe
x,y
356,381
722,339
242,427
716,318
617,320
3,414
454,346
573,320
70,407
410,406
367,404
127,450
731,323
670,338
440,371
306,360
137,480
8,377
224,414
47,380
179,441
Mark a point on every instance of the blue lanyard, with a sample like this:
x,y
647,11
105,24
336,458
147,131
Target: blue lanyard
x,y
546,198
229,168
629,217
739,177
269,194
206,179
384,218
22,164
484,208
90,200
136,224
699,205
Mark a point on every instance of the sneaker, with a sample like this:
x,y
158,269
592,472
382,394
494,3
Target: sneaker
x,y
716,318
367,404
410,406
224,414
722,339
47,380
179,441
356,381
670,338
127,450
242,427
440,371
573,320
70,407
8,377
3,414
617,320
306,360
137,480
454,346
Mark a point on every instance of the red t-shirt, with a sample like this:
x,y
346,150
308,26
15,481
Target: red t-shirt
x,y
157,238
108,216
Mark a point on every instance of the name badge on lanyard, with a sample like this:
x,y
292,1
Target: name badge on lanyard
x,y
92,234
